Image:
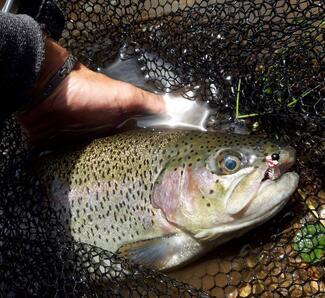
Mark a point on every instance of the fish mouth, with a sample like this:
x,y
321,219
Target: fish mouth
x,y
275,172
247,186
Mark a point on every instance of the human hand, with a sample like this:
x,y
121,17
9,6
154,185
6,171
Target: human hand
x,y
85,102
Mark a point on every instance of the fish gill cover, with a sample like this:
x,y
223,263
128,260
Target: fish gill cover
x,y
260,64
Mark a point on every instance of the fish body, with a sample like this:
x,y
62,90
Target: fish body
x,y
162,198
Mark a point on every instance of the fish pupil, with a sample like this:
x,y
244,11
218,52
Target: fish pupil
x,y
230,163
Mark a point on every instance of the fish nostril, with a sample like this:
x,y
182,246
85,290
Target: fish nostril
x,y
275,156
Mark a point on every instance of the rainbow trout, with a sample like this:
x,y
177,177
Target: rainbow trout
x,y
164,198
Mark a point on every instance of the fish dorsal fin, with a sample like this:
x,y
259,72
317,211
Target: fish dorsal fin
x,y
154,253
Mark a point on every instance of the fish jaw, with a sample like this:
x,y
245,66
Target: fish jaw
x,y
244,189
266,204
273,193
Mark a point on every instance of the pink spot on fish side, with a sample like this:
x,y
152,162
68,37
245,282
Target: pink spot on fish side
x,y
177,190
166,194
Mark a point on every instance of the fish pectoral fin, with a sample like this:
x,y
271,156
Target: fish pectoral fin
x,y
153,253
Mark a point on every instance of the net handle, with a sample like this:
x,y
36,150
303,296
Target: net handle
x,y
10,6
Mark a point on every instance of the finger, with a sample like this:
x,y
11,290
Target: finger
x,y
152,103
136,100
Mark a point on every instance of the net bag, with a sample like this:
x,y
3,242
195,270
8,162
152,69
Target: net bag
x,y
260,66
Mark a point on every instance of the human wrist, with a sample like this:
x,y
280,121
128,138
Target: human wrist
x,y
56,66
54,58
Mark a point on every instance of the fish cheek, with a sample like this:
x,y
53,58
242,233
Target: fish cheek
x,y
183,197
208,195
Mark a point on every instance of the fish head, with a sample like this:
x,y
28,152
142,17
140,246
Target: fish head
x,y
224,184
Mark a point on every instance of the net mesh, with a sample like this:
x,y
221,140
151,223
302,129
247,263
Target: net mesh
x,y
260,65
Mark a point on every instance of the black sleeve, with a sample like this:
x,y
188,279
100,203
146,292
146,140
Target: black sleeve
x,y
21,49
21,56
46,13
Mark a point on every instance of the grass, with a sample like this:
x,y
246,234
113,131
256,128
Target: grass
x,y
293,102
238,115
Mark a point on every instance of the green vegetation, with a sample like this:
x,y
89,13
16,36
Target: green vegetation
x,y
238,115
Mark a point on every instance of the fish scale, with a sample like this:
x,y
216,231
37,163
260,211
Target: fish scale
x,y
117,171
104,193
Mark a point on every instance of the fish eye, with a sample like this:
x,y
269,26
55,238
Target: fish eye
x,y
230,163
225,161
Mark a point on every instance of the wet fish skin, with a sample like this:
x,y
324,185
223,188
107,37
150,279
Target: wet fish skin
x,y
124,193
